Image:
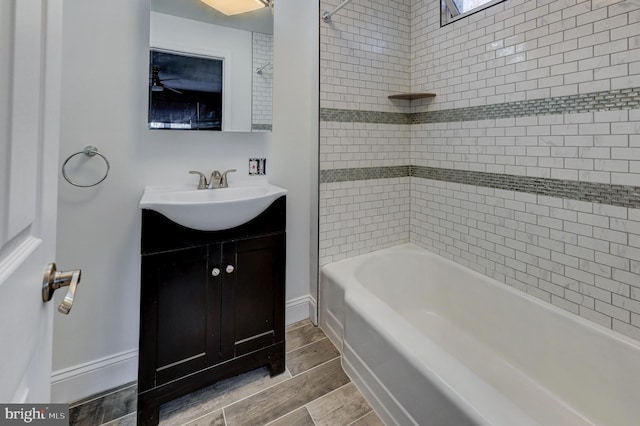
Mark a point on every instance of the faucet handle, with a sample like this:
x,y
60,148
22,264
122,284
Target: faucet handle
x,y
223,179
202,183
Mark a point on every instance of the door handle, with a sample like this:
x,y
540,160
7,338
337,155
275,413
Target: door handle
x,y
53,280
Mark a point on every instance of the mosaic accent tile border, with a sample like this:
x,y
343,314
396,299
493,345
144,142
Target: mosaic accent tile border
x,y
363,173
610,100
255,126
356,116
615,195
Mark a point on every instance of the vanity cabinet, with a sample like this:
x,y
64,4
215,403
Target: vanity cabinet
x,y
212,305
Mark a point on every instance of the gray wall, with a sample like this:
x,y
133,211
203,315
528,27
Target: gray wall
x,y
104,103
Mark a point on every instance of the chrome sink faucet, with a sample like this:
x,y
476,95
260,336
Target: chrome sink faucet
x,y
217,179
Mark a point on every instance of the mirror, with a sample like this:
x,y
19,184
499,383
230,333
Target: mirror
x,y
190,43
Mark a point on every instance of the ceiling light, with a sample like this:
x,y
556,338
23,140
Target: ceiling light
x,y
234,7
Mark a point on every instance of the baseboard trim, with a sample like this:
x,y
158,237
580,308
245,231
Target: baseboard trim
x,y
298,309
80,381
313,310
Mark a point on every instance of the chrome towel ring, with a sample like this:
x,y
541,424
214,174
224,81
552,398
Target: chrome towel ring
x,y
89,151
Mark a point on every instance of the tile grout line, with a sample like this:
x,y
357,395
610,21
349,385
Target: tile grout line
x,y
350,382
108,393
364,415
304,346
326,394
192,420
302,323
311,415
284,381
224,416
255,393
329,393
321,364
269,387
119,418
205,415
241,399
286,414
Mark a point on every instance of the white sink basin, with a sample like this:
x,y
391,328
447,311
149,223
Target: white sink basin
x,y
210,209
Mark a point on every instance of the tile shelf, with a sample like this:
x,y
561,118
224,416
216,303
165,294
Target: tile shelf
x,y
412,96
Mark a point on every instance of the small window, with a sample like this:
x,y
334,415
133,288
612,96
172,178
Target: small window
x,y
452,10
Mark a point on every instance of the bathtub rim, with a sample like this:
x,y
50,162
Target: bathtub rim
x,y
349,265
343,274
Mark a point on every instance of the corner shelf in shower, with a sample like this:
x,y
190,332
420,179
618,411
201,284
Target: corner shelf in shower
x,y
412,96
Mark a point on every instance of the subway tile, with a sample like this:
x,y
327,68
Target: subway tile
x,y
486,101
613,311
627,329
597,317
615,287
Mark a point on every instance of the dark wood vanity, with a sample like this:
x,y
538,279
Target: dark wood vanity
x,y
211,306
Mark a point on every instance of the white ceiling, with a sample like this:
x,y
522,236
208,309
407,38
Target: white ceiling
x,y
260,21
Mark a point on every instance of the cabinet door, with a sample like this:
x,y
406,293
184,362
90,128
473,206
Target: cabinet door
x,y
180,304
257,312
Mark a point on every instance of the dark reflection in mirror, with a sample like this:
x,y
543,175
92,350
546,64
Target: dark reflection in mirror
x,y
243,41
185,92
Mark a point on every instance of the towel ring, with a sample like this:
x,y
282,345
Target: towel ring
x,y
89,151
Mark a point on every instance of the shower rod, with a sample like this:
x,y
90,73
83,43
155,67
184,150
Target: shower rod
x,y
326,16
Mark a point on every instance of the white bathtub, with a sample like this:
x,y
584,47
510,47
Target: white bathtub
x,y
430,342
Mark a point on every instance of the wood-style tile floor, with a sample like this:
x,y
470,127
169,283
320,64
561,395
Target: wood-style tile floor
x,y
314,390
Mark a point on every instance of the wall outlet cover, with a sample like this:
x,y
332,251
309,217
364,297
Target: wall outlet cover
x,y
257,166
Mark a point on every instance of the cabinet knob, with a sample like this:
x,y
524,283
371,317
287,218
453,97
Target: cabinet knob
x,y
215,272
229,269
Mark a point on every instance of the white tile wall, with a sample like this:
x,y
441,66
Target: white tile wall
x,y
602,147
351,145
579,256
525,49
262,90
362,216
582,257
364,58
364,55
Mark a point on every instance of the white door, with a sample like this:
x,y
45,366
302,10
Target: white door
x,y
30,56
